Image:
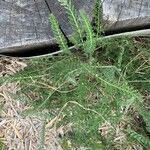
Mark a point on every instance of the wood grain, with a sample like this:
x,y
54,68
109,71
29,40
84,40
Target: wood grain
x,y
126,13
25,23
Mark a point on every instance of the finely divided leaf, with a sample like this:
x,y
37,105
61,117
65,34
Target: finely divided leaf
x,y
98,17
74,21
62,42
90,43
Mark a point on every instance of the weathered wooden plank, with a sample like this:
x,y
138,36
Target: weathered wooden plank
x,y
126,13
24,24
118,10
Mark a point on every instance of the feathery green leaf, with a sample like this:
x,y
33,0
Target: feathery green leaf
x,y
74,21
58,34
90,43
140,138
98,17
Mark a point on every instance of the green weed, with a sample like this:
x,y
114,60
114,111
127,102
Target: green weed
x,y
97,88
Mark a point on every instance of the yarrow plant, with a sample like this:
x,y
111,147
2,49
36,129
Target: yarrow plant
x,y
83,36
100,97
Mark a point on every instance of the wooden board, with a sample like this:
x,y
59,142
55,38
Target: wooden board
x,y
126,13
118,10
24,24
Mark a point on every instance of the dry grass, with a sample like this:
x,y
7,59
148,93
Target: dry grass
x,y
16,131
10,66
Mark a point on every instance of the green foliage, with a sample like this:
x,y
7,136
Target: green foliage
x,y
2,146
58,34
120,57
145,141
97,19
74,21
90,44
97,95
94,93
81,27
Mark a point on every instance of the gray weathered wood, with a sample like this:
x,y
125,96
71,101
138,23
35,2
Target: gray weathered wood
x,y
118,10
25,24
126,13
